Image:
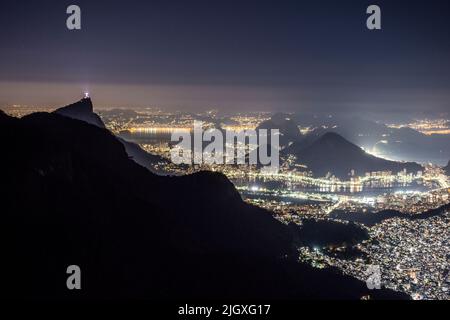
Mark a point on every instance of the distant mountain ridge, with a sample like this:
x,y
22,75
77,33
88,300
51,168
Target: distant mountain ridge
x,y
289,131
332,153
447,169
395,143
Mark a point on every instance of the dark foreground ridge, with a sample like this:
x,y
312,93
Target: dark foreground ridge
x,y
83,110
370,219
73,196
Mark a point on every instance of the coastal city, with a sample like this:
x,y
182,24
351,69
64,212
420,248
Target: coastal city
x,y
183,154
413,253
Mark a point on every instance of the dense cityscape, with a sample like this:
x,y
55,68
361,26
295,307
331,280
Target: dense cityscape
x,y
412,253
192,155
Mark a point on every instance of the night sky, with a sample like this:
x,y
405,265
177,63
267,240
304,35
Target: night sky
x,y
231,55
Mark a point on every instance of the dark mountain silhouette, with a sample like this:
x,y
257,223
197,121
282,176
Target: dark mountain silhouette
x,y
409,144
331,238
362,132
73,196
447,169
396,143
288,128
321,233
332,153
83,110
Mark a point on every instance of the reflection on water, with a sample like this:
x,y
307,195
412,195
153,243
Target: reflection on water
x,y
369,189
148,135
